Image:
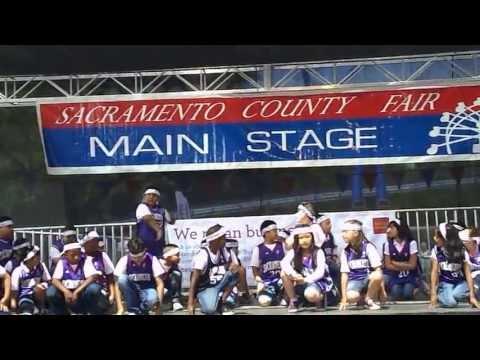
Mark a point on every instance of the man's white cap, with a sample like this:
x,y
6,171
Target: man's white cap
x,y
90,236
152,191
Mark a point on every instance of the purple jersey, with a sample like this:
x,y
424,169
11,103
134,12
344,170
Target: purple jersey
x,y
141,274
149,236
270,261
329,247
72,278
309,266
25,284
405,276
58,244
449,272
6,251
358,263
99,265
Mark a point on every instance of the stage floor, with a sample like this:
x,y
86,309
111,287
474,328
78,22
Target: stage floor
x,y
400,308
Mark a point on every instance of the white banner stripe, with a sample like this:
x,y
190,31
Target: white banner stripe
x,y
257,164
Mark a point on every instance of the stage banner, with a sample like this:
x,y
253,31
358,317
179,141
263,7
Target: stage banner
x,y
188,234
288,129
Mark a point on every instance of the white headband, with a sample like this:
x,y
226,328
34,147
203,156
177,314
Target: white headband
x,y
464,235
71,246
32,253
323,218
69,233
305,211
171,252
396,221
302,230
90,236
443,229
21,246
269,228
6,223
351,226
140,254
215,235
152,191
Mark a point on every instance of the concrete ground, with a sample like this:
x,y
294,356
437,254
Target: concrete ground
x,y
400,308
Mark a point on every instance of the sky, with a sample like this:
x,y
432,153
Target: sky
x,y
70,59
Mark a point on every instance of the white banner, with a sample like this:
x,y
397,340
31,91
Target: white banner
x,y
188,234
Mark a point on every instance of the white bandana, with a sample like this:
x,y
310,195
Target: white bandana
x,y
90,236
464,235
215,235
152,191
171,252
302,230
71,246
306,211
269,228
21,246
323,218
443,229
32,253
69,233
6,223
350,226
139,255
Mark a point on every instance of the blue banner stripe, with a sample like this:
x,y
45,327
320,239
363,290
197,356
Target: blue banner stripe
x,y
226,143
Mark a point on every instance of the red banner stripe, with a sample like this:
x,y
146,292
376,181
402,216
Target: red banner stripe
x,y
247,109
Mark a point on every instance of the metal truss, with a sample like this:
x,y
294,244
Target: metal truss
x,y
343,74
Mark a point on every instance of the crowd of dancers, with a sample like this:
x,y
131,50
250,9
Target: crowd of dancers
x,y
294,266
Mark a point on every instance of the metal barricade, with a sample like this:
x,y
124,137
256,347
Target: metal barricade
x,y
115,236
422,222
